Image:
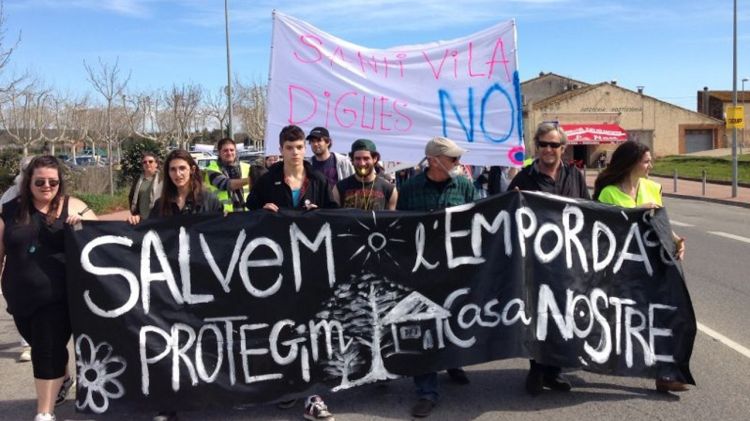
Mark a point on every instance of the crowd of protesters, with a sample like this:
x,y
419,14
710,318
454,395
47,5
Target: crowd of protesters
x,y
34,215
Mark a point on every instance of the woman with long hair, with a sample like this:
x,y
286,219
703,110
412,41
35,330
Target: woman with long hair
x,y
183,192
624,183
33,279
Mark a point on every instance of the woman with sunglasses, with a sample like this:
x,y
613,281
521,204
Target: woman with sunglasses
x,y
146,189
33,279
624,183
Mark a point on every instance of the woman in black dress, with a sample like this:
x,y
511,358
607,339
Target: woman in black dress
x,y
33,278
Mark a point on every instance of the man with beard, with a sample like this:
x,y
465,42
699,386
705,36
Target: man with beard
x,y
334,166
440,186
365,189
227,176
549,174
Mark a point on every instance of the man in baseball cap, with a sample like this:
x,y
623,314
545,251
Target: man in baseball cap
x,y
334,166
365,189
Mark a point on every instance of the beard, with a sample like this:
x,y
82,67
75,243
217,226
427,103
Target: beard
x,y
364,171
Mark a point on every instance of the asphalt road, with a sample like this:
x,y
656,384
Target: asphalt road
x,y
718,275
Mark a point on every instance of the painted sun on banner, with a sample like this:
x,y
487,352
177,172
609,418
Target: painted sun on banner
x,y
466,89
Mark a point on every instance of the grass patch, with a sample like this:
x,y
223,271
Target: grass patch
x,y
717,168
104,203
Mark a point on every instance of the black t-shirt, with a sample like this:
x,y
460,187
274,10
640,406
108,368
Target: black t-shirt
x,y
34,274
327,168
366,196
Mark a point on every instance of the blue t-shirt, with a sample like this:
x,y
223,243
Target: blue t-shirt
x,y
295,197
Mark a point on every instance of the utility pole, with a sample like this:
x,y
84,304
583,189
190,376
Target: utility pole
x,y
230,130
734,102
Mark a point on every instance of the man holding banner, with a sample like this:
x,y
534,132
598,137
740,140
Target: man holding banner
x,y
440,186
293,184
549,174
365,189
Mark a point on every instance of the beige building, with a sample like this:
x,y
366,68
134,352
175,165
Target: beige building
x,y
605,115
715,104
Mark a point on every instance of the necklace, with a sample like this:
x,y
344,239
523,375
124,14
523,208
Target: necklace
x,y
366,200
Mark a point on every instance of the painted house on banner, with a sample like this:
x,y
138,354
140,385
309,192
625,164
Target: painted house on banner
x,y
598,117
412,321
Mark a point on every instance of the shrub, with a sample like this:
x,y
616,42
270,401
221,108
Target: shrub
x,y
104,203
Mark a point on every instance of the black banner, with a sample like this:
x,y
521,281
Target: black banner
x,y
254,307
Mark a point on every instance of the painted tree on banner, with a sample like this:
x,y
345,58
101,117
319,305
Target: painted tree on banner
x,y
360,305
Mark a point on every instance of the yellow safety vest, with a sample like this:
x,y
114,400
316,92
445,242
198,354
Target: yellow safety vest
x,y
648,192
223,195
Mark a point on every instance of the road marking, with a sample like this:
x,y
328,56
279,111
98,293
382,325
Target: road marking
x,y
732,236
723,339
680,224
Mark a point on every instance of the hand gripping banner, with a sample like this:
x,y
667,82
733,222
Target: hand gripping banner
x,y
256,307
466,89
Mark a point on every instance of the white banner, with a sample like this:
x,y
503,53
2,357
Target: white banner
x,y
466,89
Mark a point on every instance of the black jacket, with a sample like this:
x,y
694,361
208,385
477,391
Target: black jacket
x,y
271,188
570,183
209,204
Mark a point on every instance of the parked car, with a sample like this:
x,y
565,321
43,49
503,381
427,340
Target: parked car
x,y
86,161
203,159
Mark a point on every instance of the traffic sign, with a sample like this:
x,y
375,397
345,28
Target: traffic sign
x,y
736,117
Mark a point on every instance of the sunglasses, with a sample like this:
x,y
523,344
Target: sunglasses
x,y
542,144
148,161
39,182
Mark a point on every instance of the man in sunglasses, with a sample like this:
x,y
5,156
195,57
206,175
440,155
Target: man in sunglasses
x,y
440,186
549,174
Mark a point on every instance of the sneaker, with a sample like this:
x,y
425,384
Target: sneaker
x,y
67,384
316,409
166,416
46,416
25,355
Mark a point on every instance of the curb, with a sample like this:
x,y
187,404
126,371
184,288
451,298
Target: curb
x,y
708,199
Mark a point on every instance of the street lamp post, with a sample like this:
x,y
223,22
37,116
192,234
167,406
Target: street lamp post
x,y
734,101
230,130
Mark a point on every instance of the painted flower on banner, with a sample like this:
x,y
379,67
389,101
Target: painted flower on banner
x,y
98,370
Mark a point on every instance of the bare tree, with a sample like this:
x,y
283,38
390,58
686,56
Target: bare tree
x,y
78,119
110,84
24,115
215,108
250,109
6,51
60,122
182,104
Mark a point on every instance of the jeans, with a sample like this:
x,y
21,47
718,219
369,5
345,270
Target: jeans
x,y
427,386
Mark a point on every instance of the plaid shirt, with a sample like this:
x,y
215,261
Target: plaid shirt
x,y
421,194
